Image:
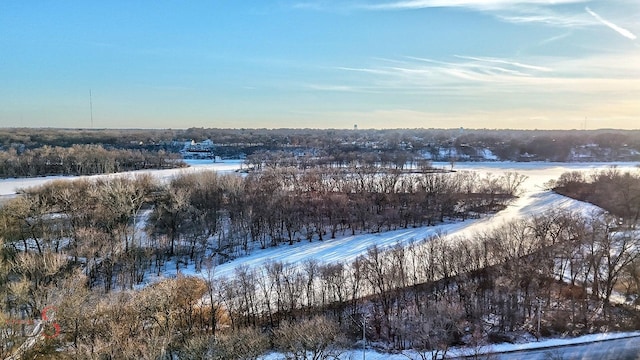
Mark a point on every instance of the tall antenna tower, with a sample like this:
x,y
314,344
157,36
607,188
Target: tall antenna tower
x,y
585,123
91,107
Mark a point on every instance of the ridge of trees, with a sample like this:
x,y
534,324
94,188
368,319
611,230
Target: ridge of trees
x,y
422,296
82,160
616,191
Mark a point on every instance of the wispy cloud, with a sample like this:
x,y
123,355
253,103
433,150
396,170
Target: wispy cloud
x,y
476,4
513,11
506,62
474,68
622,31
554,38
545,16
549,12
489,76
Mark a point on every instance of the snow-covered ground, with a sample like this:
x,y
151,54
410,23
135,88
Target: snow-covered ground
x,y
508,351
346,248
535,199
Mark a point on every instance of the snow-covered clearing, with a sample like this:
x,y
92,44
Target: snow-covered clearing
x,y
346,248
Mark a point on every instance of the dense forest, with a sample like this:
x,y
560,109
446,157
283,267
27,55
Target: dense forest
x,y
82,160
616,191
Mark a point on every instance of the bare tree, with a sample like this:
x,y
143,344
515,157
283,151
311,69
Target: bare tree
x,y
315,339
433,331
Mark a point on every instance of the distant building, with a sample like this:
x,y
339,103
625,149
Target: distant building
x,y
198,150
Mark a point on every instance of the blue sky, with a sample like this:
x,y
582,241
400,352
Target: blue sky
x,y
321,63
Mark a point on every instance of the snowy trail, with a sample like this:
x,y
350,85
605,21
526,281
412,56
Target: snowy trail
x,y
346,249
343,249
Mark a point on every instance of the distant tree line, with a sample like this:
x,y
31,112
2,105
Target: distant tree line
x,y
512,145
81,160
466,144
339,158
32,138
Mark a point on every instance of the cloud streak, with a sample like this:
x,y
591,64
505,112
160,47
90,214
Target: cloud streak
x,y
554,39
475,76
476,4
548,12
506,62
622,31
545,16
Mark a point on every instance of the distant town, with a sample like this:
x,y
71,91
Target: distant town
x,y
337,146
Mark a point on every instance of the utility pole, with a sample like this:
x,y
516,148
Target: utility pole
x,y
364,338
363,323
539,313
